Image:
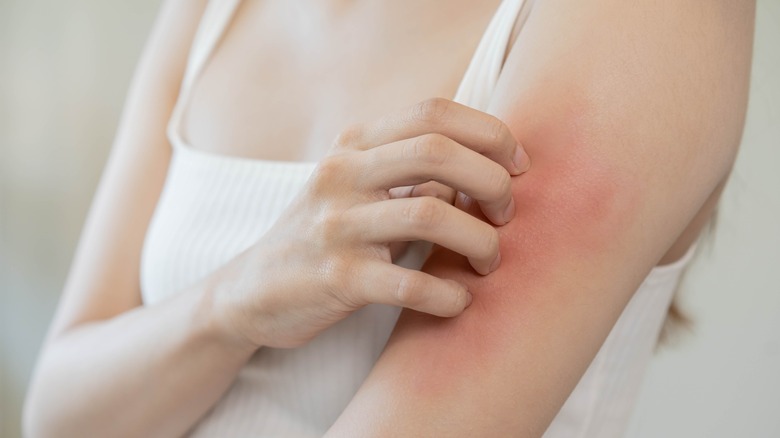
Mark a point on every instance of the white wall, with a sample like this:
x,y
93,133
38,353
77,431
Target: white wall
x,y
64,69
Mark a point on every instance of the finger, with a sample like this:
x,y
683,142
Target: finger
x,y
477,130
431,188
428,219
383,283
433,157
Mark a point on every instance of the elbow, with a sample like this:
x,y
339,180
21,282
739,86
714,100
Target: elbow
x,y
33,414
44,413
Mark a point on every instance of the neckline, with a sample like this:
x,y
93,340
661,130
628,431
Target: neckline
x,y
181,148
220,14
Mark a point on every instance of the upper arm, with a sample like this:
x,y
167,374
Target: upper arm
x,y
104,277
631,113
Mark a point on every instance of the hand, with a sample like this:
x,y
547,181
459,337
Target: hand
x,y
385,182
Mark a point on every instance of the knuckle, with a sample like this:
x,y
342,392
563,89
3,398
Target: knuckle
x,y
499,182
332,227
431,110
349,138
329,171
496,131
431,149
408,291
425,212
490,243
433,189
337,272
458,303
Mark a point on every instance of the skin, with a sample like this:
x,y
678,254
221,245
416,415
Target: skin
x,y
610,191
384,181
584,209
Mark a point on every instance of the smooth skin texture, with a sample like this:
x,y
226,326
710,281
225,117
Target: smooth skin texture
x,y
632,112
154,370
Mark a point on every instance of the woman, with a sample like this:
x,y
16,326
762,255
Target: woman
x,y
238,283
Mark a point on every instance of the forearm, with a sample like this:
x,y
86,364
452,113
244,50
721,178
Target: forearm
x,y
151,371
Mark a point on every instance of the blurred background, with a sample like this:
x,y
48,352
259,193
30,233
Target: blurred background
x,y
65,67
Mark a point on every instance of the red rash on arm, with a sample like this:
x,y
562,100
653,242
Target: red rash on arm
x,y
568,205
553,200
614,104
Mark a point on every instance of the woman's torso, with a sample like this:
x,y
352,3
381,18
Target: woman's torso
x,y
271,90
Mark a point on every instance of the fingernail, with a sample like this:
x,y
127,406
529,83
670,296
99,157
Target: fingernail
x,y
509,213
521,160
469,299
496,263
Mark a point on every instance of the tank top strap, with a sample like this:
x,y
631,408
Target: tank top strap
x,y
215,20
479,81
475,89
213,23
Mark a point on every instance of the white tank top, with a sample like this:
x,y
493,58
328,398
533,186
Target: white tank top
x,y
215,206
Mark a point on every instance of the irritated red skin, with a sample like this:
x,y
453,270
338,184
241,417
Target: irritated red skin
x,y
566,209
533,316
614,131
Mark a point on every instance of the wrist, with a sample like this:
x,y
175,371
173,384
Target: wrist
x,y
216,319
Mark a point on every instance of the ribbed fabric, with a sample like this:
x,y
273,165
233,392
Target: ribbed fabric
x,y
213,207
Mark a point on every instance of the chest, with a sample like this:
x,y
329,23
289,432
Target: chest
x,y
286,77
